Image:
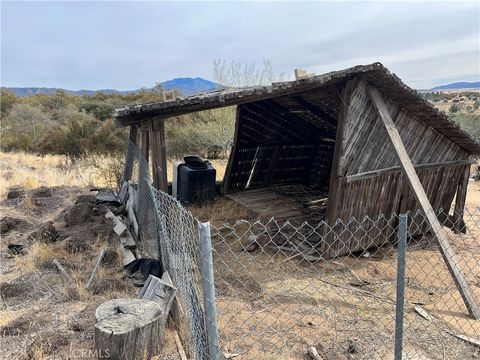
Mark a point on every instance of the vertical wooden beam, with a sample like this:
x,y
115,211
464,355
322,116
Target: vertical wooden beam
x,y
231,158
446,249
461,196
133,134
159,156
129,157
144,142
277,151
335,185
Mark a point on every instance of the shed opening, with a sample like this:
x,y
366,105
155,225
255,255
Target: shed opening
x,y
281,162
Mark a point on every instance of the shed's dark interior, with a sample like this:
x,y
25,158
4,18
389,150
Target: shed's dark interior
x,y
285,140
281,142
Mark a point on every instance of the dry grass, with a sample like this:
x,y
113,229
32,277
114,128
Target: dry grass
x,y
37,255
32,171
19,169
220,166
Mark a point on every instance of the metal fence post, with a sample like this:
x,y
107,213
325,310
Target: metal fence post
x,y
208,290
401,260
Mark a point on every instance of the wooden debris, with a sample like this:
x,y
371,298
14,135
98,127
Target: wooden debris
x,y
422,312
129,329
181,350
127,240
123,193
132,199
468,339
96,268
67,279
128,256
229,355
312,353
160,292
119,227
252,244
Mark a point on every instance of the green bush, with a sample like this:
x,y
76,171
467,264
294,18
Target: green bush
x,y
469,123
455,108
82,134
7,99
24,127
207,133
102,111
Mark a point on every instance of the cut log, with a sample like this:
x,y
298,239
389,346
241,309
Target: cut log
x,y
129,329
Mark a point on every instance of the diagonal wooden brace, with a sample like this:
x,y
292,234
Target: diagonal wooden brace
x,y
446,249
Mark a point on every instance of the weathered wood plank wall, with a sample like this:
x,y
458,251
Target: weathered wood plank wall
x,y
365,147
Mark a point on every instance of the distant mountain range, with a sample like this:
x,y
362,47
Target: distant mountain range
x,y
186,86
459,85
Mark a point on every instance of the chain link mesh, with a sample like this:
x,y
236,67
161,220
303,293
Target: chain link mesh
x,y
277,295
281,289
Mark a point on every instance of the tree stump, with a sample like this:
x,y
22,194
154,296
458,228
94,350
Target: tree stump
x,y
129,329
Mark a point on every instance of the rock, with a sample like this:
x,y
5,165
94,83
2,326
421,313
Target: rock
x,y
15,193
47,233
79,214
129,329
9,223
43,192
86,198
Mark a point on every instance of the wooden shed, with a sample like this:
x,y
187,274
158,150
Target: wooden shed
x,y
351,143
318,149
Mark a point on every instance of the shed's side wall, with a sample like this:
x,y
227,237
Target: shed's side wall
x,y
365,147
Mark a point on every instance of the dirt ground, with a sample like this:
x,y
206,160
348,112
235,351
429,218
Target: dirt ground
x,y
40,318
270,306
273,307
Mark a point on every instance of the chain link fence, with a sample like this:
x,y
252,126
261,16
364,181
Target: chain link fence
x,y
276,298
278,293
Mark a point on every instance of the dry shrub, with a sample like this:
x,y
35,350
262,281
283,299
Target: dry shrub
x,y
38,255
221,211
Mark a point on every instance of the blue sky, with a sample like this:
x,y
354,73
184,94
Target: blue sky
x,y
127,45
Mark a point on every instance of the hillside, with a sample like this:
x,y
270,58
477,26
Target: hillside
x,y
459,85
186,86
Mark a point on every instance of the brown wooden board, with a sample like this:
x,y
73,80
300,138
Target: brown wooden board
x,y
451,260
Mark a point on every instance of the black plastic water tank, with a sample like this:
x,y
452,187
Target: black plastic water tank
x,y
195,181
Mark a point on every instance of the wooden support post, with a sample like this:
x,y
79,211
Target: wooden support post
x,y
446,249
129,157
159,156
338,153
144,142
231,159
133,134
461,196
